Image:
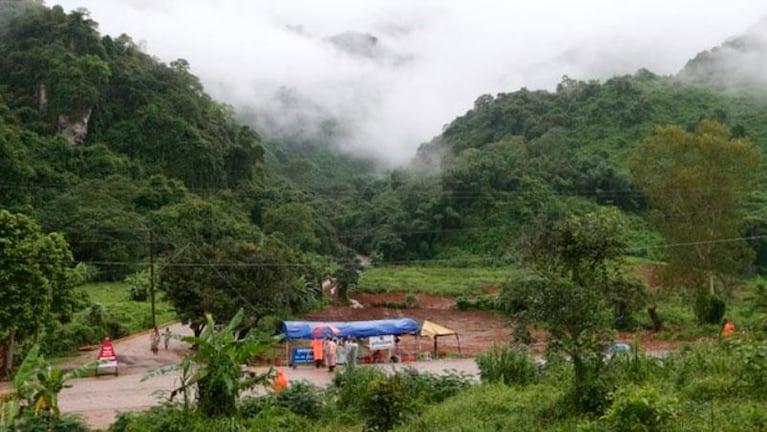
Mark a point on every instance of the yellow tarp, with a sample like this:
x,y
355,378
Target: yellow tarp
x,y
430,329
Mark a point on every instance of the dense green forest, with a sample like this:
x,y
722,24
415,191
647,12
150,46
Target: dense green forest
x,y
117,166
131,160
103,143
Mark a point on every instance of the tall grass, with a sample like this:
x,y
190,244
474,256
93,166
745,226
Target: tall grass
x,y
134,316
441,281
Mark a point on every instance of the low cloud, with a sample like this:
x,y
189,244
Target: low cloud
x,y
386,76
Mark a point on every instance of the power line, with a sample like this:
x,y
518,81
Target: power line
x,y
390,262
698,243
448,192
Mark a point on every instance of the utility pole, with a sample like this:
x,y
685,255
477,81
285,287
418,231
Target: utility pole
x,y
151,276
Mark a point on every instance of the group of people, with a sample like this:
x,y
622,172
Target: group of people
x,y
154,341
333,351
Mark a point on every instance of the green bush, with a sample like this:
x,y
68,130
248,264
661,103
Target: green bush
x,y
166,418
302,398
462,303
174,418
753,374
487,302
491,408
251,406
352,385
43,423
709,309
88,328
386,404
275,419
139,286
640,409
507,365
382,401
590,393
701,362
633,366
433,388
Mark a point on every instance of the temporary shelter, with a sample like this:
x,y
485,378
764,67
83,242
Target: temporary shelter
x,y
435,331
358,329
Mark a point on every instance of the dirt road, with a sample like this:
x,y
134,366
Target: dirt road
x,y
99,400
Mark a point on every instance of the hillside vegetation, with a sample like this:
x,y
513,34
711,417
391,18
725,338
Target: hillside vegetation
x,y
115,166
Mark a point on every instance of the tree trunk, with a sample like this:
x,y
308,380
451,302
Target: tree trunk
x,y
657,323
6,354
3,358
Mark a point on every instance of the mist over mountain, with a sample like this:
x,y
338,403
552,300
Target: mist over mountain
x,y
394,73
739,61
513,158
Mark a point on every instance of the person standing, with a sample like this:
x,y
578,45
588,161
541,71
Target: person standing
x,y
351,351
166,338
154,341
341,352
280,381
728,329
317,348
331,355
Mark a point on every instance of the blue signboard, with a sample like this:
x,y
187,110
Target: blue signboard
x,y
301,355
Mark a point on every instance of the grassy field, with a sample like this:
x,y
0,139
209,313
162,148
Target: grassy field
x,y
444,281
135,316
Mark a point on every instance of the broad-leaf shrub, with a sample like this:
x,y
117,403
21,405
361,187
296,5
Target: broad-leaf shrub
x,y
640,409
353,384
387,404
709,309
430,388
507,365
302,398
753,373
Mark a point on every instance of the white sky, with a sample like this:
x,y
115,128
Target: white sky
x,y
438,55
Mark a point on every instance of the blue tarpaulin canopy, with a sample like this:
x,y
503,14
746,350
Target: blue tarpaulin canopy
x,y
309,329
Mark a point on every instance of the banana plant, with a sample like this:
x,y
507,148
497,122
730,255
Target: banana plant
x,y
36,385
9,412
215,367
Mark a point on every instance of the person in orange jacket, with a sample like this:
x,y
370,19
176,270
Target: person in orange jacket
x,y
728,330
317,349
280,382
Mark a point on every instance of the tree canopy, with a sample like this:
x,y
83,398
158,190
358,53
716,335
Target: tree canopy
x,y
697,184
37,282
219,278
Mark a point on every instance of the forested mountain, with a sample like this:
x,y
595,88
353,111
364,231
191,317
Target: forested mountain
x,y
738,62
103,142
518,161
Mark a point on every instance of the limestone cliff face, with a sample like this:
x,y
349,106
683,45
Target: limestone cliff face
x,y
75,131
42,97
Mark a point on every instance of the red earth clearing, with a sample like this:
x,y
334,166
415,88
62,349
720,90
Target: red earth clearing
x,y
479,330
